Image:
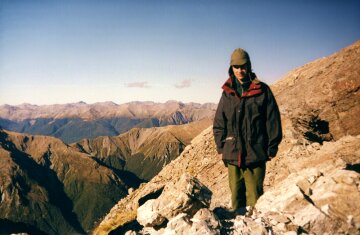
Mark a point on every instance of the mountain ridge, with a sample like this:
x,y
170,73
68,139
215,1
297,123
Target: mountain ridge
x,y
50,187
142,151
324,92
98,110
73,122
55,180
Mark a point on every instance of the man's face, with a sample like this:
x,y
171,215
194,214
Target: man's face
x,y
240,71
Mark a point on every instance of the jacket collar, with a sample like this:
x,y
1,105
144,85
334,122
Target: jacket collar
x,y
254,88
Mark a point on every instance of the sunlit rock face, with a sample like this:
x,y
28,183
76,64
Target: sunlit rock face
x,y
322,98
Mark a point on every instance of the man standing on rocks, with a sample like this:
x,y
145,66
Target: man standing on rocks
x,y
247,130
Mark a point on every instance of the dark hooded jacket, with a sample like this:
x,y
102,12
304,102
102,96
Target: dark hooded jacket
x,y
247,129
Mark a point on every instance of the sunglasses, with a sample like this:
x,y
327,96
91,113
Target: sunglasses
x,y
244,66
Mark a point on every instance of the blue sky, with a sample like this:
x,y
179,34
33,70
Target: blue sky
x,y
94,51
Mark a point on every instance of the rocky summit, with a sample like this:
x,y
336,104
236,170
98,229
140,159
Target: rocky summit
x,y
311,187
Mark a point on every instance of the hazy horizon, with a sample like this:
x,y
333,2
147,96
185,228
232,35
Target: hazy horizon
x,y
109,101
59,52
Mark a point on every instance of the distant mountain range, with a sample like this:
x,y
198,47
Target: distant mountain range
x,y
76,121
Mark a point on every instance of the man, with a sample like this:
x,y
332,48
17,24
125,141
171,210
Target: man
x,y
247,130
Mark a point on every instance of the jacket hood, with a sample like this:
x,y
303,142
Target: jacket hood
x,y
254,88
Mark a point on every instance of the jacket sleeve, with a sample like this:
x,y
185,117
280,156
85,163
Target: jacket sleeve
x,y
273,124
219,126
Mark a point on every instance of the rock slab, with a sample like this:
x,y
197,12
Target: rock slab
x,y
187,195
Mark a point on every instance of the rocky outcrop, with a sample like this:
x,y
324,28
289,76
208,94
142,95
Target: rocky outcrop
x,y
291,202
203,222
321,194
322,98
182,208
187,195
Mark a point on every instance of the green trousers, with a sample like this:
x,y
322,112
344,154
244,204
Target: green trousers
x,y
246,184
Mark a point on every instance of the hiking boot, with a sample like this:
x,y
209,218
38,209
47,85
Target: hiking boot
x,y
239,211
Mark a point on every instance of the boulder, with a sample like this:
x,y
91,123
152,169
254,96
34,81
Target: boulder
x,y
317,198
148,214
247,226
180,224
205,222
186,195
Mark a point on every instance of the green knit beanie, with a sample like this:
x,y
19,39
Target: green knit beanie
x,y
239,57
